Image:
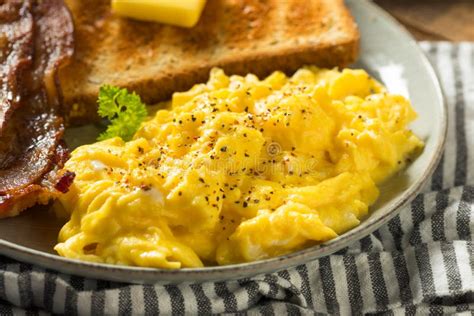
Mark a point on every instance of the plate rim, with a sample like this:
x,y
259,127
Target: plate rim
x,y
236,271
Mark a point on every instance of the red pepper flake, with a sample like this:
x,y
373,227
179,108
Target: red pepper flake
x,y
145,187
65,182
90,248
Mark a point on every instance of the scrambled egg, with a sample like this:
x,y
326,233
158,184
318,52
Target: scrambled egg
x,y
238,169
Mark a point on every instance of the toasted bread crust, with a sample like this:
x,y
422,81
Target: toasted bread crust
x,y
241,36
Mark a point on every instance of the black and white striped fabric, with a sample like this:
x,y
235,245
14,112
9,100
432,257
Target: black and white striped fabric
x,y
421,262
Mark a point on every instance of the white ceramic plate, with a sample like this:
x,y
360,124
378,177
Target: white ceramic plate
x,y
390,54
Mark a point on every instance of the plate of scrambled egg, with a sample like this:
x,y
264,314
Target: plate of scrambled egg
x,y
244,175
238,170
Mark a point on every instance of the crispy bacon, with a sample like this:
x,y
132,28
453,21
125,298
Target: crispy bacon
x,y
31,129
16,50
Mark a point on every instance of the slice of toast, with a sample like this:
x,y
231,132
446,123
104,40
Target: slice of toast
x,y
241,36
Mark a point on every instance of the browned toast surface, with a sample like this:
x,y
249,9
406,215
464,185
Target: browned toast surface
x,y
241,36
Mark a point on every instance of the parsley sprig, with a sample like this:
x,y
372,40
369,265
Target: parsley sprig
x,y
123,109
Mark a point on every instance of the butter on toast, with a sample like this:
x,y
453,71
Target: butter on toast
x,y
241,36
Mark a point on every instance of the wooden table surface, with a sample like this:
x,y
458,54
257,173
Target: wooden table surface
x,y
449,20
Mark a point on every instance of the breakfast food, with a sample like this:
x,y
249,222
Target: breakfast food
x,y
238,169
36,38
180,13
155,60
235,170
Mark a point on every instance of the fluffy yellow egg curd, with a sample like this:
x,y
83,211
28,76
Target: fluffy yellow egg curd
x,y
238,169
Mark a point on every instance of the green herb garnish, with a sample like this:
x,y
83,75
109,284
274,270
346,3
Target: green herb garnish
x,y
123,109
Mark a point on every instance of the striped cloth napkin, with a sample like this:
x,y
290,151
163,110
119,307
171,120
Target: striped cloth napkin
x,y
420,262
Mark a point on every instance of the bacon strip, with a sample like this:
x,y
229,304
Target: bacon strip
x,y
31,146
16,50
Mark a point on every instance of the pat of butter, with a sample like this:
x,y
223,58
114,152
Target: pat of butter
x,y
184,13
